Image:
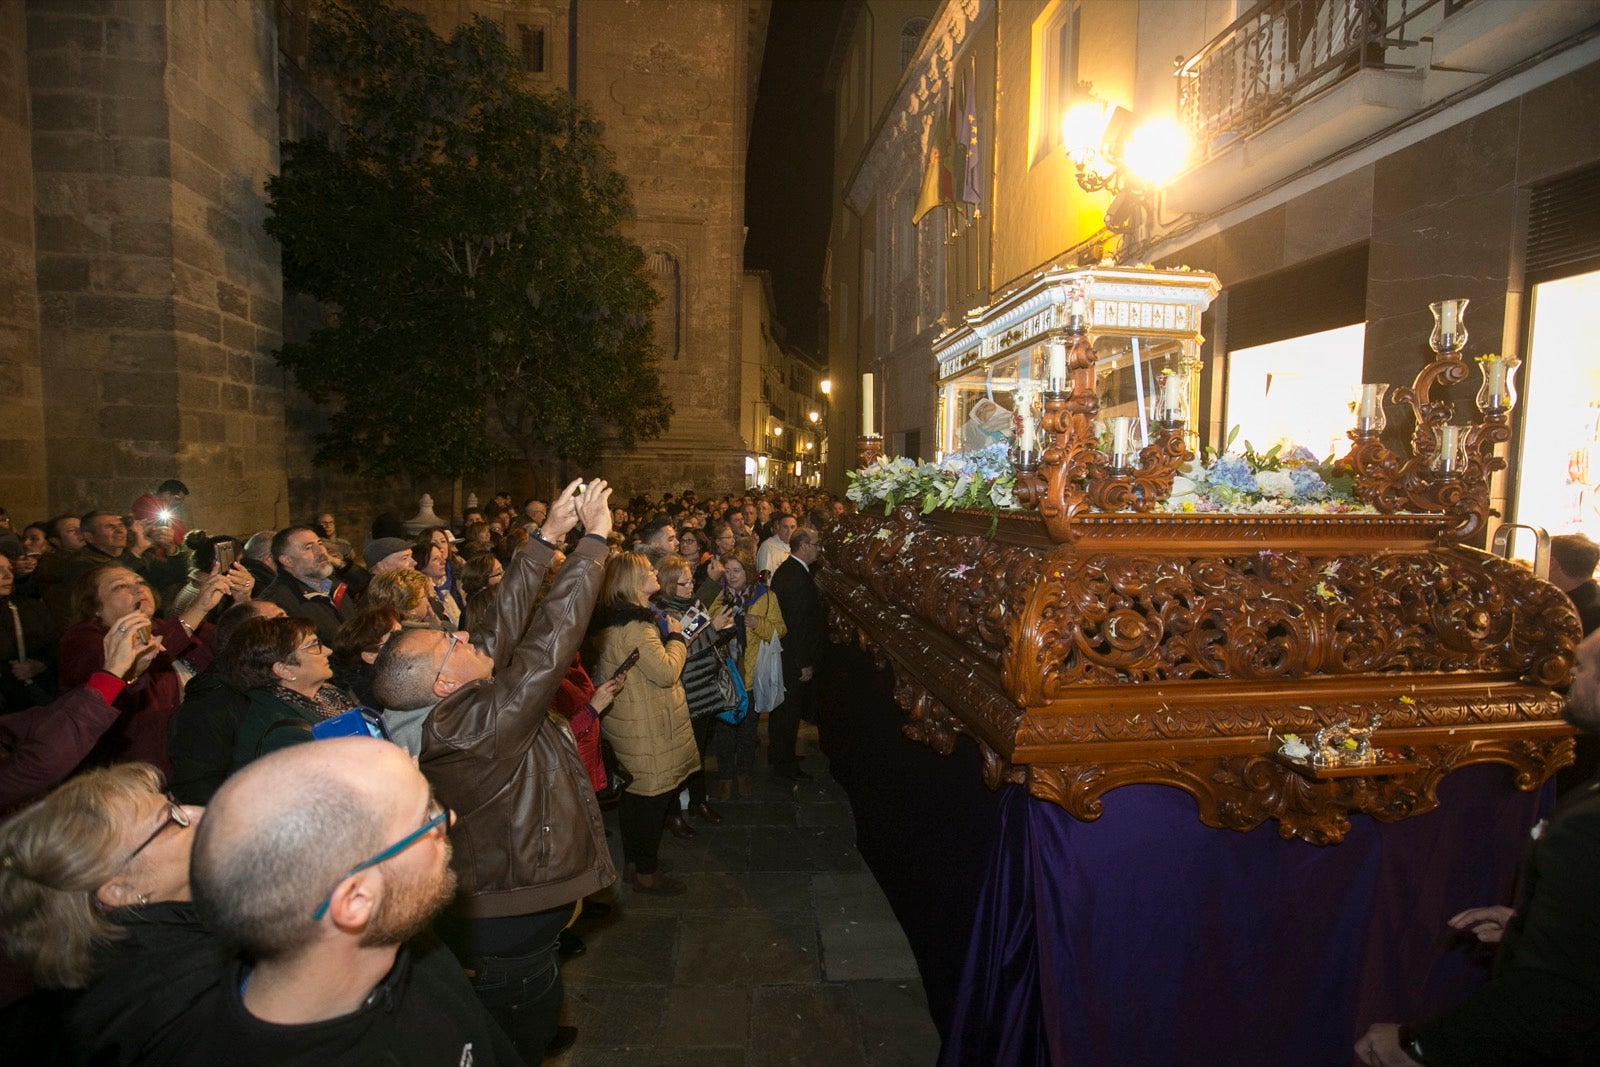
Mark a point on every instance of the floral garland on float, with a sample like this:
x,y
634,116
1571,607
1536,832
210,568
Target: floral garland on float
x,y
1285,479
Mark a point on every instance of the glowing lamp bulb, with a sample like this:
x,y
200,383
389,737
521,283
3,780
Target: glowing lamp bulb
x,y
1156,151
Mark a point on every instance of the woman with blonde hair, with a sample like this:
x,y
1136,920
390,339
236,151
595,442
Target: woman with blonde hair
x,y
410,594
94,895
648,722
757,619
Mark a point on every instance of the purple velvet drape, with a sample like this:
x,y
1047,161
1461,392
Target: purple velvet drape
x,y
1147,938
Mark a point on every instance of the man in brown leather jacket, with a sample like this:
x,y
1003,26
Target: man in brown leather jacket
x,y
528,841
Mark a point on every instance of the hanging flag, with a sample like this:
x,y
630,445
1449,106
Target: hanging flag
x,y
946,166
972,142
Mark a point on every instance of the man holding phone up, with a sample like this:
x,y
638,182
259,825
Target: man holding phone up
x,y
529,843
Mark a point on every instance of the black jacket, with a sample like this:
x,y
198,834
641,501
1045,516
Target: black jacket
x,y
423,1012
1543,1004
796,590
144,984
325,611
201,735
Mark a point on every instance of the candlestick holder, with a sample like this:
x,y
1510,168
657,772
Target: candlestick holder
x,y
1450,466
1073,473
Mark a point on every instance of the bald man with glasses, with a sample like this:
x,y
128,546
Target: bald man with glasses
x,y
321,867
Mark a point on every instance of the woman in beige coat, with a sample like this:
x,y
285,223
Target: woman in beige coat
x,y
648,722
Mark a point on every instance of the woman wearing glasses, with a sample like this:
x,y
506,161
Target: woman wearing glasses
x,y
102,597
94,900
675,598
287,672
648,724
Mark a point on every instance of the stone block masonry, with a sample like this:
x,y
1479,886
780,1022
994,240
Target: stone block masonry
x,y
154,130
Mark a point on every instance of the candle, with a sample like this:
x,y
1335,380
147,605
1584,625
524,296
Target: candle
x,y
1058,361
1174,386
1120,425
1369,408
1449,458
1026,442
1447,318
866,405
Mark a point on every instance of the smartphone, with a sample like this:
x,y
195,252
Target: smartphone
x,y
625,665
227,555
694,620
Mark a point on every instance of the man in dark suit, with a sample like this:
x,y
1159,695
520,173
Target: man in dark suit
x,y
1543,1003
796,589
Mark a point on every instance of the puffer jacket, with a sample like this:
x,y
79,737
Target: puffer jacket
x,y
528,835
648,721
769,624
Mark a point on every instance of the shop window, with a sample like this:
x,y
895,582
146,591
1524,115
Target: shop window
x,y
1558,469
1296,390
1053,76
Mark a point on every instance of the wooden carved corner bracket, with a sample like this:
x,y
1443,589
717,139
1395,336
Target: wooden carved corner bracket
x,y
1241,792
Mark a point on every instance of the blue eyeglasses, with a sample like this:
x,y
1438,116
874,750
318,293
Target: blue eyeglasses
x,y
444,818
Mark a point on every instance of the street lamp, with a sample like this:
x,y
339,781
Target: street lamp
x,y
1110,154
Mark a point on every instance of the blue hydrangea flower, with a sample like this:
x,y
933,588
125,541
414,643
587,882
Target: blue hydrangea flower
x,y
1234,473
1308,484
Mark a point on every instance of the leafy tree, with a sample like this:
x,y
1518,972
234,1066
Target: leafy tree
x,y
465,232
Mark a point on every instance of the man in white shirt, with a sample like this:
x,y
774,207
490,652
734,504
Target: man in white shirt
x,y
775,549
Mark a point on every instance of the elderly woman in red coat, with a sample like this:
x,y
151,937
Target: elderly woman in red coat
x,y
105,595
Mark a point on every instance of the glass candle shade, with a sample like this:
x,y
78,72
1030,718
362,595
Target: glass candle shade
x,y
1499,393
1449,325
1171,404
1370,419
1451,456
1121,429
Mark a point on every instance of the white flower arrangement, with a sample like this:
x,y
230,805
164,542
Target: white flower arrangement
x,y
982,479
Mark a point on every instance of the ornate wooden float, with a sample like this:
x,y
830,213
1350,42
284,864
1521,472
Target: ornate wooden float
x,y
1094,641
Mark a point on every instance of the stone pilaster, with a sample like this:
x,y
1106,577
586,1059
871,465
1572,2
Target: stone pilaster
x,y
22,443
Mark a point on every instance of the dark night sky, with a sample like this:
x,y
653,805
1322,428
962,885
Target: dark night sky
x,y
790,167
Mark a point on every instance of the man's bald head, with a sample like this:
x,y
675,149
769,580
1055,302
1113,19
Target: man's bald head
x,y
402,676
284,830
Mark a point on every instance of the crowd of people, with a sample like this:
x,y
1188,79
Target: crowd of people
x,y
267,798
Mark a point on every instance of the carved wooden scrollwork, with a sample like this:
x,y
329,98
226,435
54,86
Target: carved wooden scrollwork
x,y
1242,792
1168,651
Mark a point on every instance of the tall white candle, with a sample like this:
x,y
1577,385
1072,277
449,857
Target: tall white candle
x,y
1026,443
866,405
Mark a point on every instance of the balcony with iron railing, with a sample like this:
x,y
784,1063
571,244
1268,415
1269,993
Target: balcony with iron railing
x,y
1282,52
1292,82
